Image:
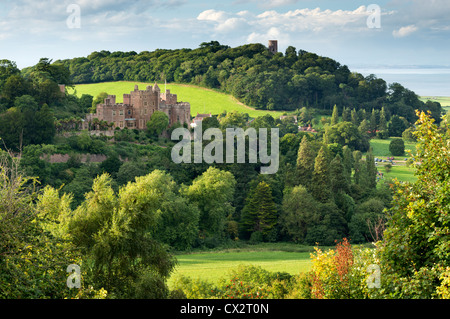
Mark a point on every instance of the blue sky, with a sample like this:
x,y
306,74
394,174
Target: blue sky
x,y
410,33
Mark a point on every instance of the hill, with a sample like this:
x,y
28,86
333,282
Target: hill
x,y
202,100
255,77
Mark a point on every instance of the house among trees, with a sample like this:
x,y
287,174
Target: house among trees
x,y
198,118
137,108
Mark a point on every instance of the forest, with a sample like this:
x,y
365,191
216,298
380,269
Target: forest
x,y
123,218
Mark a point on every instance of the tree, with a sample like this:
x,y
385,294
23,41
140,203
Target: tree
x,y
299,212
320,184
346,115
414,250
347,161
305,162
396,126
382,125
345,133
129,170
335,116
260,212
100,98
116,232
397,147
33,258
212,192
159,121
338,178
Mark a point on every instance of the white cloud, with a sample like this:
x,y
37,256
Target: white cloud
x,y
212,15
404,31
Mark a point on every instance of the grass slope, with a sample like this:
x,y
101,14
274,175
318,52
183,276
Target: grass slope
x,y
202,100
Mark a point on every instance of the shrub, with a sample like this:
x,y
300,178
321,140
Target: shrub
x,y
150,286
397,147
335,275
194,288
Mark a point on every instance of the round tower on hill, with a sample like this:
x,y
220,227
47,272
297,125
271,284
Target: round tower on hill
x,y
273,46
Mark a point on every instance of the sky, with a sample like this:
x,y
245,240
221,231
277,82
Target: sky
x,y
361,34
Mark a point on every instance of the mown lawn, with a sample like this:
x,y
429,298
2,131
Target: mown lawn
x,y
202,100
214,265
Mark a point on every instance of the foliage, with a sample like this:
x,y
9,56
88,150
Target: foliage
x,y
212,192
260,212
33,255
244,282
415,245
159,121
338,273
253,76
397,147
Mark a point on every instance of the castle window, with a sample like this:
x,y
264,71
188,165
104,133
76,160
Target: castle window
x,y
121,124
129,112
145,111
114,113
145,103
120,112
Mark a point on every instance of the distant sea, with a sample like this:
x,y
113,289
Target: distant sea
x,y
424,81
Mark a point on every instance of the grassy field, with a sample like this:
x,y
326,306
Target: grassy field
x,y
214,265
381,148
202,100
399,170
444,100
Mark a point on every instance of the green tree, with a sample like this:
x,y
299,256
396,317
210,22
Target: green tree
x,y
397,147
305,162
99,99
116,232
382,125
396,126
338,178
320,184
33,258
260,212
299,212
414,251
347,161
335,116
212,192
159,121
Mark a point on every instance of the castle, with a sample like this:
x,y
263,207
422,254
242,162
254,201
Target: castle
x,y
138,107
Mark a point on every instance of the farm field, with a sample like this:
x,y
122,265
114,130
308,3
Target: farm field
x,y
444,100
214,265
202,100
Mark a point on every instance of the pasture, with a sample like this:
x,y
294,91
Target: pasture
x,y
213,265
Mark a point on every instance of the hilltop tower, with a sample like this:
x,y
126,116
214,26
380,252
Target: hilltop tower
x,y
273,46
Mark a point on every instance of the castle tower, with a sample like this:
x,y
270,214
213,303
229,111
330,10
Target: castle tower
x,y
273,46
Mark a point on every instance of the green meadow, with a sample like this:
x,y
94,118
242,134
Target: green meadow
x,y
380,148
399,170
276,257
202,100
